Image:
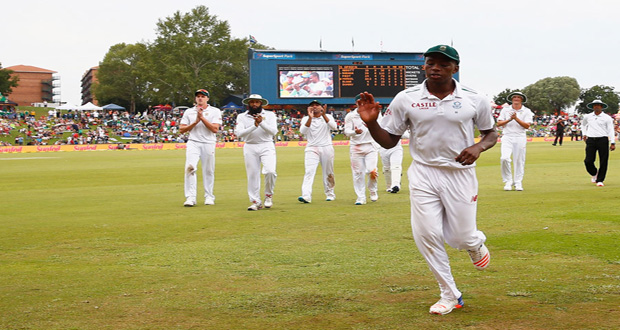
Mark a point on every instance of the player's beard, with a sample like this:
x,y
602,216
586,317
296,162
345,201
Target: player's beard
x,y
255,110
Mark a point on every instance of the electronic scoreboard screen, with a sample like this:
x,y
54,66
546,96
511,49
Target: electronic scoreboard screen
x,y
294,77
379,80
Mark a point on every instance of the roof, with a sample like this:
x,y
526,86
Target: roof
x,y
28,68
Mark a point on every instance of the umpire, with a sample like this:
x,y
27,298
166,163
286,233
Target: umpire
x,y
598,132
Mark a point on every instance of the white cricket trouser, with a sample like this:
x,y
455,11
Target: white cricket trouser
x,y
443,208
392,160
513,146
314,156
204,152
255,155
363,161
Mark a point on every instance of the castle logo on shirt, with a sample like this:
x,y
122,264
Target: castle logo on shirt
x,y
424,105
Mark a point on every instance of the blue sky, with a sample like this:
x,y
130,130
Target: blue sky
x,y
502,44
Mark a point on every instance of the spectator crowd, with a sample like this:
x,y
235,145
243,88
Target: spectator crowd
x,y
161,126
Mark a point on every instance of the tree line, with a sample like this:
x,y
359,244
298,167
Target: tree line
x,y
558,94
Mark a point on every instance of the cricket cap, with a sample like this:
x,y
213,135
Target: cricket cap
x,y
446,50
203,92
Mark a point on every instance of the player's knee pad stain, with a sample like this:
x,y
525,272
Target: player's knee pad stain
x,y
331,180
191,170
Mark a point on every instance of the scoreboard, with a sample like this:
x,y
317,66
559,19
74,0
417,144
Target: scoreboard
x,y
296,77
380,80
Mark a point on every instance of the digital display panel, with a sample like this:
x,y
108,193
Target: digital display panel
x,y
306,81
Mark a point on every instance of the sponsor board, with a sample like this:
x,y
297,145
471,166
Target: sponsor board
x,y
178,146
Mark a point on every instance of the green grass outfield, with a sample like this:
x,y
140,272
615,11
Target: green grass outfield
x,y
100,240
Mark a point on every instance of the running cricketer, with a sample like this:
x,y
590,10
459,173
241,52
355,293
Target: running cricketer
x,y
317,127
202,122
257,127
441,115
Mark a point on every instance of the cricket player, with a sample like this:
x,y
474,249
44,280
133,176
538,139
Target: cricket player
x,y
516,119
317,127
202,122
392,160
364,156
257,127
598,133
441,116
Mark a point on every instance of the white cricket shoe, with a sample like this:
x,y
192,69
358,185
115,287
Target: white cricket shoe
x,y
303,200
445,306
255,207
189,202
600,184
480,257
374,196
360,201
330,198
518,187
209,201
593,179
508,186
268,202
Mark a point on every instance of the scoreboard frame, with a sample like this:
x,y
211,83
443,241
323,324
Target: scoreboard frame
x,y
342,75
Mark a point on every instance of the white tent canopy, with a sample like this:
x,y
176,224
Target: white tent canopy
x,y
67,106
89,107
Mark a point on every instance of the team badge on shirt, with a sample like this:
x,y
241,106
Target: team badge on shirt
x,y
457,105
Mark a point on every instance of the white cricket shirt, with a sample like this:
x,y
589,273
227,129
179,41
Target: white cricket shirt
x,y
513,128
440,129
250,133
200,132
598,126
319,133
353,121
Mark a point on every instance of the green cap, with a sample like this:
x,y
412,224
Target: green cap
x,y
203,92
315,101
358,96
448,51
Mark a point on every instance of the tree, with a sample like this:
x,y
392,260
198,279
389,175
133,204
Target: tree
x,y
552,95
195,50
501,98
6,81
599,92
191,51
122,76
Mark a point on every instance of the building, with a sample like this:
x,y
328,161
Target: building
x,y
36,85
89,79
